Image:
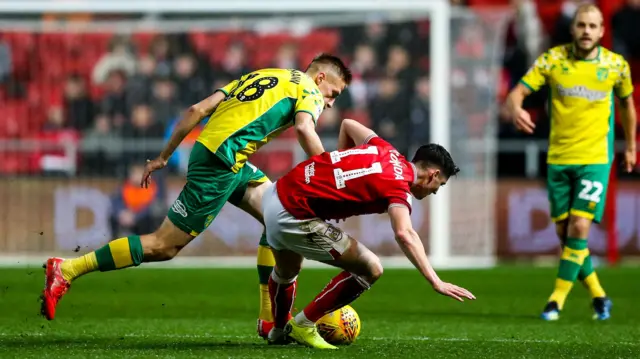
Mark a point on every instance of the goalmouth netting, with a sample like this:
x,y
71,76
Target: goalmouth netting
x,y
424,72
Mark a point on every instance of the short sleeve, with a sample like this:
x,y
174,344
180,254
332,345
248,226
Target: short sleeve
x,y
375,140
624,86
229,87
537,75
310,100
400,197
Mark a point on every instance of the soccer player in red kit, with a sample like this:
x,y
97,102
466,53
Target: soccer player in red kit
x,y
371,177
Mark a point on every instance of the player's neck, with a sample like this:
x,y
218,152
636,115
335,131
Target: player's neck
x,y
585,55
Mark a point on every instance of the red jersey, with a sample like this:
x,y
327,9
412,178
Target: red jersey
x,y
336,185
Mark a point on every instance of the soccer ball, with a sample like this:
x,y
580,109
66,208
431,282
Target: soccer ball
x,y
340,327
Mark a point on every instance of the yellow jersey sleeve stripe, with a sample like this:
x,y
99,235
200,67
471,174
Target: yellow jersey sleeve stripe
x,y
527,85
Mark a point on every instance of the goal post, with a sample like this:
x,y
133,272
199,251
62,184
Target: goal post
x,y
460,218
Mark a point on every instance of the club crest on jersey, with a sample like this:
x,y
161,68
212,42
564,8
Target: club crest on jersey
x,y
397,165
602,73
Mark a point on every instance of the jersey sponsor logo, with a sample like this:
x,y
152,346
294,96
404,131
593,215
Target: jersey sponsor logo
x,y
581,92
397,166
179,208
309,171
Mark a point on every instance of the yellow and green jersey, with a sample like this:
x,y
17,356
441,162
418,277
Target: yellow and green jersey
x,y
258,107
581,104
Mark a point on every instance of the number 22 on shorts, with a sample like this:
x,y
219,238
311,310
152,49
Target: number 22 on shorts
x,y
591,190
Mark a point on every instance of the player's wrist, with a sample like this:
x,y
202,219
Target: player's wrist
x,y
163,158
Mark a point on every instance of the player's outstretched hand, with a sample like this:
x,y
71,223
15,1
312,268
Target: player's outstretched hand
x,y
522,121
453,291
629,160
152,165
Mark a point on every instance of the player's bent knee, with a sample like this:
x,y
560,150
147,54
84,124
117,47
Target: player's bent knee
x,y
288,271
375,270
288,263
579,226
165,243
561,230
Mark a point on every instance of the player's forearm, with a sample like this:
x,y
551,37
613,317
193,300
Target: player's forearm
x,y
629,124
194,115
192,118
309,141
514,101
412,247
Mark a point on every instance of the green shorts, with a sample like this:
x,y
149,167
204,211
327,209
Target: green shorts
x,y
579,190
210,184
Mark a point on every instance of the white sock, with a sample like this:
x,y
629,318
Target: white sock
x,y
276,333
302,320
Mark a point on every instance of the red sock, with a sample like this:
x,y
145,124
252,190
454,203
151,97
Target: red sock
x,y
342,290
282,294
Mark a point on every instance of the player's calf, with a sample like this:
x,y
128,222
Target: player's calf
x,y
282,291
165,243
361,267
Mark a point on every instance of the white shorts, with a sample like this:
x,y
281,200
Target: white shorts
x,y
312,238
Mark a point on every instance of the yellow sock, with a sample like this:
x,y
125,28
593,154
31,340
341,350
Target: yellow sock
x,y
266,261
561,291
74,268
265,304
573,255
117,254
593,284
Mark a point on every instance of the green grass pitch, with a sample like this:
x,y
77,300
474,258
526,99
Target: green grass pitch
x,y
194,313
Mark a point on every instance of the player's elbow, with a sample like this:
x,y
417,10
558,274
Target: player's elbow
x,y
404,236
348,123
303,128
196,111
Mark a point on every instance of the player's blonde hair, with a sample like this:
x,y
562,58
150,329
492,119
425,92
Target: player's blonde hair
x,y
588,8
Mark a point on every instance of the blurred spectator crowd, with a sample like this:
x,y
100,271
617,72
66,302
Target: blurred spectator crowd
x,y
120,96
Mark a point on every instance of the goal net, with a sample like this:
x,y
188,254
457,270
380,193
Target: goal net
x,y
87,97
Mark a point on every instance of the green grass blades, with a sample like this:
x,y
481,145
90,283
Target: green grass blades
x,y
195,313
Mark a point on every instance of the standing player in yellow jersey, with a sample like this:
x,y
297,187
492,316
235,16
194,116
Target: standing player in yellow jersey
x,y
583,78
249,112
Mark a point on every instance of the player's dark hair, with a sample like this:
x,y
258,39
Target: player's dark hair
x,y
327,59
434,155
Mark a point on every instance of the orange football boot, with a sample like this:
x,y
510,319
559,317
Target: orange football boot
x,y
55,287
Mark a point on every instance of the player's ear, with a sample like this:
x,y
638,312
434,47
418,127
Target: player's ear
x,y
435,174
320,78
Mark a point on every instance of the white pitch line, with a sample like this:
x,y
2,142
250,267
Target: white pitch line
x,y
365,338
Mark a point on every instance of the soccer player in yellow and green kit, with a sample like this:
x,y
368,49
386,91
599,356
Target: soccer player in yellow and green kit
x,y
583,78
243,116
